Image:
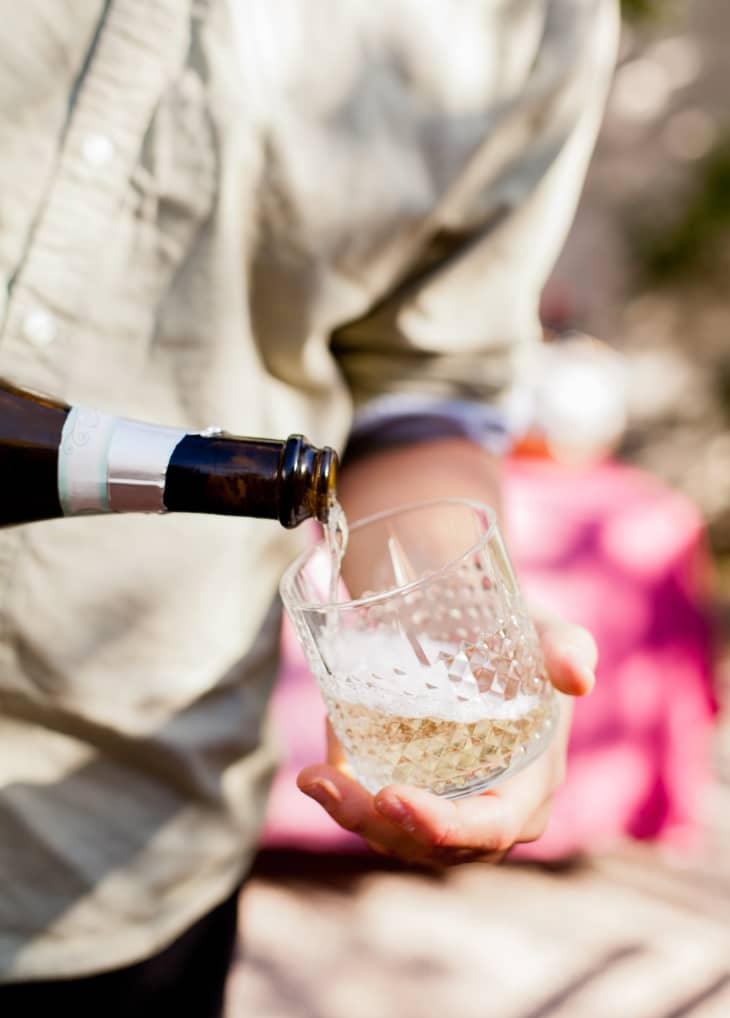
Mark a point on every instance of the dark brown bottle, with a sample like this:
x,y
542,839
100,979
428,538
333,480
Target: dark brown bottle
x,y
57,460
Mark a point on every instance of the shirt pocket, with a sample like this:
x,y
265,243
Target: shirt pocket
x,y
170,197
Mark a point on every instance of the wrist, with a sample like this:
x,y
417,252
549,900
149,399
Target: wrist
x,y
432,469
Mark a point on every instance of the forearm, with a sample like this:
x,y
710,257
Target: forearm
x,y
442,468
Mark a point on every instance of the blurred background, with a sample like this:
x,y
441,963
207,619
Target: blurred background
x,y
646,266
628,914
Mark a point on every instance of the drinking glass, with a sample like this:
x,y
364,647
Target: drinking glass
x,y
427,661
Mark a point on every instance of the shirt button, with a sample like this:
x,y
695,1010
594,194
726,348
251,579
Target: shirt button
x,y
40,327
97,149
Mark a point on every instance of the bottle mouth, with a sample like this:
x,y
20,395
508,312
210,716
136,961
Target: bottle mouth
x,y
309,482
326,488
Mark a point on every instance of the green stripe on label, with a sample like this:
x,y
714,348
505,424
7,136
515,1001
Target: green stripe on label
x,y
83,461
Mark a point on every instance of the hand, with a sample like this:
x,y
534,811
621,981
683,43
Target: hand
x,y
419,827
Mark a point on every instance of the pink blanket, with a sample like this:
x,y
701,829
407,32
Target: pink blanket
x,y
612,548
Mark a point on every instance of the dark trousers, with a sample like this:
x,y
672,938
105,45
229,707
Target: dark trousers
x,y
186,979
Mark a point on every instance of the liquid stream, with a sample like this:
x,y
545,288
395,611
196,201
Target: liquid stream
x,y
336,534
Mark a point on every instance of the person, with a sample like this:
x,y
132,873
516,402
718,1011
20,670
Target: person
x,y
333,218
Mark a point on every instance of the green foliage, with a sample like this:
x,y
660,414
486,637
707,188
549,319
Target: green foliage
x,y
692,242
635,10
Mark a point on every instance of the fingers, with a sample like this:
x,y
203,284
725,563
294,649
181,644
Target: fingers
x,y
420,827
479,825
535,827
352,807
416,832
570,653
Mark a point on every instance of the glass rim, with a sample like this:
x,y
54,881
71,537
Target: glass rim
x,y
360,602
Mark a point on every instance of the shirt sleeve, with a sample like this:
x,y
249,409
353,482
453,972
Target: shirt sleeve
x,y
460,322
389,421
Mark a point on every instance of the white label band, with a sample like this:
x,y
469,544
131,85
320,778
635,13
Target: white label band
x,y
109,464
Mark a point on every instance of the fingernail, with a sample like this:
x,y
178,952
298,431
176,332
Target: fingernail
x,y
576,661
394,809
585,674
575,654
323,792
580,652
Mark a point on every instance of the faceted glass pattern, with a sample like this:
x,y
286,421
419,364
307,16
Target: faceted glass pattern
x,y
434,677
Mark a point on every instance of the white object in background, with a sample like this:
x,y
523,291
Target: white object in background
x,y
581,398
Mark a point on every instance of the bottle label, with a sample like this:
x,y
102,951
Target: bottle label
x,y
110,464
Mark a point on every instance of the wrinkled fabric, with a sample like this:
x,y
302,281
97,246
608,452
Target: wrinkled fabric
x,y
258,215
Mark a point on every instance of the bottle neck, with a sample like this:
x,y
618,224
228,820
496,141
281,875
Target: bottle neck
x,y
222,475
108,464
57,460
289,481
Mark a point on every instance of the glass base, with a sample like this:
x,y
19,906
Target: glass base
x,y
477,780
482,784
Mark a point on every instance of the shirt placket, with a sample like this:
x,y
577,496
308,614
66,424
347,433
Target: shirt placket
x,y
141,44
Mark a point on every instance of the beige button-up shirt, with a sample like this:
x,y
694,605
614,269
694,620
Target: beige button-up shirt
x,y
256,214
